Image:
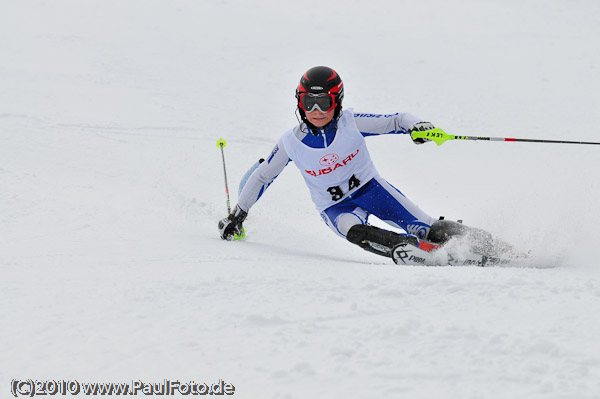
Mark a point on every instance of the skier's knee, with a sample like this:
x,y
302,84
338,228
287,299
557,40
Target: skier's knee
x,y
345,221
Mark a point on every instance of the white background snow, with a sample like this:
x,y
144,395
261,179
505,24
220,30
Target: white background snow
x,y
111,185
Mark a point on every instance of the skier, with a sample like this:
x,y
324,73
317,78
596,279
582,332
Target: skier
x,y
329,149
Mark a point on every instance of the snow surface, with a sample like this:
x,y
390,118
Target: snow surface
x,y
111,188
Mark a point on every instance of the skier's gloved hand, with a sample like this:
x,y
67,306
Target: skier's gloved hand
x,y
421,127
230,228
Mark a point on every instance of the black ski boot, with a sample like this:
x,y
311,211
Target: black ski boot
x,y
376,240
479,240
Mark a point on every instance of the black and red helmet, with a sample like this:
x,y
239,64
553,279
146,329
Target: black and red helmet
x,y
320,88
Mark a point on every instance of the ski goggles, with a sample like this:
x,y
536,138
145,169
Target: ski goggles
x,y
323,102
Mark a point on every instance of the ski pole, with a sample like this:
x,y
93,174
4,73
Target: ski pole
x,y
440,137
222,143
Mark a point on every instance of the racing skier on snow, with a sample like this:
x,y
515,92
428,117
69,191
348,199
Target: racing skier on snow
x,y
328,147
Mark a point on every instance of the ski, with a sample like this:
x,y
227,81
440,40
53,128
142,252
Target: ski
x,y
427,255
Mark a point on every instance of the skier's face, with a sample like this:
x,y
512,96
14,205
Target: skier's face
x,y
320,119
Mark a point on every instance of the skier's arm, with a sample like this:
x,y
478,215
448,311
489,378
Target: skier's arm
x,y
230,228
399,123
263,176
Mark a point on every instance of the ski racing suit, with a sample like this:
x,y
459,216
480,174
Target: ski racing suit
x,y
337,168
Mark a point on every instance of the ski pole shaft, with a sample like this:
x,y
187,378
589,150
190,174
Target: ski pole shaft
x,y
221,144
523,140
440,137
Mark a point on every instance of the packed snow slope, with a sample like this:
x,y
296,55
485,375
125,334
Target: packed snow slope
x,y
111,185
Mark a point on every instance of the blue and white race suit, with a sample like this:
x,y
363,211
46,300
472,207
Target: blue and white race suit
x,y
337,168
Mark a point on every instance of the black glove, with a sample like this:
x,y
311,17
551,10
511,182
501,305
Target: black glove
x,y
421,127
230,228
